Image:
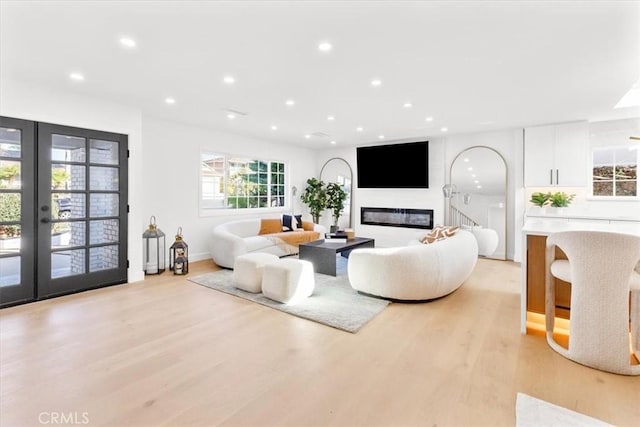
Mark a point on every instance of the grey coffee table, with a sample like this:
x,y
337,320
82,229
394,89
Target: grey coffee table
x,y
323,255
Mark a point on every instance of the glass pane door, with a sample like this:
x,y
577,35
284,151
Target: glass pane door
x,y
17,173
82,209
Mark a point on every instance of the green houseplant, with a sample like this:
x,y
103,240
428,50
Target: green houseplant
x,y
315,197
540,199
560,199
335,201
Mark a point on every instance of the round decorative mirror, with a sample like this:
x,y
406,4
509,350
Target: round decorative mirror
x,y
477,198
339,171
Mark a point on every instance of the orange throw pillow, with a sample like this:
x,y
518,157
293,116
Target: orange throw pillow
x,y
307,225
270,226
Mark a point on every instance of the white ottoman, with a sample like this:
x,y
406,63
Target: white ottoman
x,y
247,271
288,280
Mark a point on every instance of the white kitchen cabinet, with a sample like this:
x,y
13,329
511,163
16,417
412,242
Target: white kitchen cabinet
x,y
556,155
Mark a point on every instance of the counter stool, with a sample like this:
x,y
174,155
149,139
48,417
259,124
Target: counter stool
x,y
600,268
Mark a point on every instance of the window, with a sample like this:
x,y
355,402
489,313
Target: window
x,y
230,182
615,171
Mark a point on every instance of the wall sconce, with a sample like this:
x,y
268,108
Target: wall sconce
x,y
449,190
466,198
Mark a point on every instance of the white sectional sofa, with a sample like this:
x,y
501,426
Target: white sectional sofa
x,y
415,272
236,238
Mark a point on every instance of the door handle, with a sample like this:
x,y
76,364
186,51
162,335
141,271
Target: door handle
x,y
45,220
557,176
551,176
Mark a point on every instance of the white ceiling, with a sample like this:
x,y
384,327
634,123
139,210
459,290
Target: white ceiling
x,y
472,66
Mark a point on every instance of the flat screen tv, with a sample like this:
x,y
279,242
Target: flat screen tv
x,y
394,166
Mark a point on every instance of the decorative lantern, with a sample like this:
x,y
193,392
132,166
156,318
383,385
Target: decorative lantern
x,y
154,249
179,255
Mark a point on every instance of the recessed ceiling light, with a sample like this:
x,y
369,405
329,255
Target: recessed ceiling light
x,y
380,136
469,168
407,105
331,118
76,76
229,80
290,102
376,82
231,116
443,129
359,129
475,181
325,47
128,42
307,136
466,159
473,175
170,100
479,186
333,143
429,119
274,127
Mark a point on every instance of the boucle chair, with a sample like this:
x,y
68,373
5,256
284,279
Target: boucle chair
x,y
417,272
600,269
487,240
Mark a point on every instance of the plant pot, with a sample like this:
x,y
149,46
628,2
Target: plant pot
x,y
333,229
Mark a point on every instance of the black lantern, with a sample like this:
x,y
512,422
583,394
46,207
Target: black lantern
x,y
153,249
179,255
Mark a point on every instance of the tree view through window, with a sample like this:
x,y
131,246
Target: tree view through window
x,y
229,182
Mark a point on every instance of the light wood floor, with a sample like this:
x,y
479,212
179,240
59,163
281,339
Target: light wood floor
x,y
169,352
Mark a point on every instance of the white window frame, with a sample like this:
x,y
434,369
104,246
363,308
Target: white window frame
x,y
593,197
209,209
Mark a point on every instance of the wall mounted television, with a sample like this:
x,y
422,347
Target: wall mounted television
x,y
394,165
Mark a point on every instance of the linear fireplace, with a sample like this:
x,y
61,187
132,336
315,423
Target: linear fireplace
x,y
394,217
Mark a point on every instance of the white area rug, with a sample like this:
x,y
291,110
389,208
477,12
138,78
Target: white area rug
x,y
334,302
532,412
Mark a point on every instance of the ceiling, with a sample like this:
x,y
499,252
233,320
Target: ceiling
x,y
470,66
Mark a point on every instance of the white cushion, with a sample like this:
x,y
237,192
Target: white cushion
x,y
561,269
288,280
247,271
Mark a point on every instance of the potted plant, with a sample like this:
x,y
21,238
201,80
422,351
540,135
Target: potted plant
x,y
560,199
540,199
315,197
335,201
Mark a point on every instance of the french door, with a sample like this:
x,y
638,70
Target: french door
x,y
72,222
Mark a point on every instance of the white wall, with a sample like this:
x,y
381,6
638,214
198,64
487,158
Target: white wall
x,y
31,102
172,171
430,198
442,151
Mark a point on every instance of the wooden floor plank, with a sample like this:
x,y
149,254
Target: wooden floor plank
x,y
169,352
